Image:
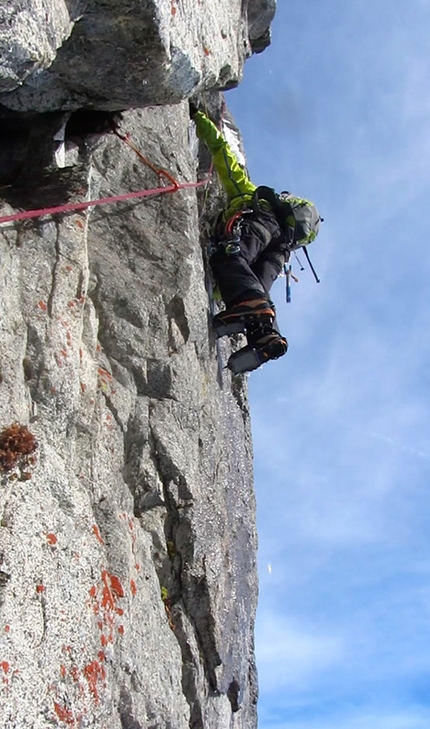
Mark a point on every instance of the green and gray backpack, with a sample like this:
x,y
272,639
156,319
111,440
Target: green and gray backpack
x,y
299,218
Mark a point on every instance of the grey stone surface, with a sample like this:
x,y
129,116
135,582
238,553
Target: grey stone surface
x,y
122,53
260,16
128,556
128,580
31,33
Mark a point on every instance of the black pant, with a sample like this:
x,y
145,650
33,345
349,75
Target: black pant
x,y
250,273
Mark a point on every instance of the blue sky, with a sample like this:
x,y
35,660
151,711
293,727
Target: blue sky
x,y
338,110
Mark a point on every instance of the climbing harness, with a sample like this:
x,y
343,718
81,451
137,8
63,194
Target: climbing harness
x,y
226,236
231,239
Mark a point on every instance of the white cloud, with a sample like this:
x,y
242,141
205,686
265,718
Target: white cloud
x,y
352,668
341,423
401,446
288,656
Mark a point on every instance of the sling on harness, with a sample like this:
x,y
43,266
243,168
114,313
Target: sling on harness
x,y
227,235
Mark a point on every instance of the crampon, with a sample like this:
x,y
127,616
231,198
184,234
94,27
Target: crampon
x,y
249,358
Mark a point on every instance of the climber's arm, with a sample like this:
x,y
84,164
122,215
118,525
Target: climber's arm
x,y
233,177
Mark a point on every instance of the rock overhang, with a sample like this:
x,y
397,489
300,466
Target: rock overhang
x,y
124,53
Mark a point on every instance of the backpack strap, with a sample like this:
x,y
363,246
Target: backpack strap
x,y
282,210
284,214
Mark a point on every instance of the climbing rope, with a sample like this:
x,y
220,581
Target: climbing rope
x,y
158,171
74,207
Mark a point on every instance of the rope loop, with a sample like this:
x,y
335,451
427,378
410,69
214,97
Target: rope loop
x,y
75,207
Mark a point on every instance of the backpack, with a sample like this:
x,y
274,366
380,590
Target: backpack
x,y
299,218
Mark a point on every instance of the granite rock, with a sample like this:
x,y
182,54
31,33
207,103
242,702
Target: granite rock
x,y
121,54
128,581
129,546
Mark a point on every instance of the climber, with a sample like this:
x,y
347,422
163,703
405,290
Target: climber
x,y
251,246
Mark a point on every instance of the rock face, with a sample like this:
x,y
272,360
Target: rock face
x,y
128,579
60,54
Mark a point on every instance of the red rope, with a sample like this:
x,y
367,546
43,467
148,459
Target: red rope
x,y
158,171
71,207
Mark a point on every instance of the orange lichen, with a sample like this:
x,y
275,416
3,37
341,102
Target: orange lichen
x,y
17,446
104,605
96,531
64,714
74,672
51,539
40,588
104,374
133,587
42,306
107,597
94,672
116,586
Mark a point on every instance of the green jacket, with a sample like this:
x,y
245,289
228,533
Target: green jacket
x,y
234,180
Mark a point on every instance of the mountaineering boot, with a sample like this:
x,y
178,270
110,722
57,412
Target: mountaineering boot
x,y
235,319
264,343
249,358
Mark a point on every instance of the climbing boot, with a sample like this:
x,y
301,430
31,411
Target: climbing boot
x,y
235,319
249,358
